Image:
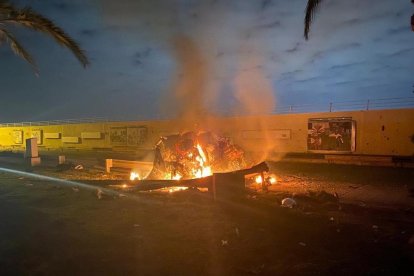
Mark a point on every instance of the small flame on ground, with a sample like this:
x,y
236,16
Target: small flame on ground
x,y
134,176
258,179
177,176
176,189
270,179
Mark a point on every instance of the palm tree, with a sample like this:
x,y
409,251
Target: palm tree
x,y
313,6
311,9
26,17
412,18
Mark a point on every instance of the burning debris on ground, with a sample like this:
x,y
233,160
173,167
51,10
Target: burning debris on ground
x,y
195,155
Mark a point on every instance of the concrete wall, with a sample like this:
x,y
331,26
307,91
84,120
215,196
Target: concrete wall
x,y
378,132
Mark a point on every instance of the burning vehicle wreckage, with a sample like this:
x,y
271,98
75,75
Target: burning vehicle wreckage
x,y
192,155
203,160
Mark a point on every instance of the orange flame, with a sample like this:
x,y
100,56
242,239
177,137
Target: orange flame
x,y
177,176
201,170
271,179
134,176
204,170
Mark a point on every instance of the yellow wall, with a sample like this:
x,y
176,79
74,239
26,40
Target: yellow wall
x,y
378,132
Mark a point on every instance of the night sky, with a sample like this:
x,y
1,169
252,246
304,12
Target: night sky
x,y
248,50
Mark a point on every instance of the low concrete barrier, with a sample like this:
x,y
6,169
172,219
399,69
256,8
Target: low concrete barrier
x,y
127,164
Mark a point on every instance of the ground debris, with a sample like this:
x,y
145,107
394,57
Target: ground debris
x,y
324,196
252,196
411,240
99,193
258,269
305,269
288,202
64,167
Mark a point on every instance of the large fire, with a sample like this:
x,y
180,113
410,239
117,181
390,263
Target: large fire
x,y
190,155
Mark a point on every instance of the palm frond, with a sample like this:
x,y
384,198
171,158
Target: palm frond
x,y
412,22
17,48
311,9
28,18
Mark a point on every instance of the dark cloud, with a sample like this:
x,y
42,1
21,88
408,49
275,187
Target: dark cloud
x,y
266,4
295,48
311,79
143,53
270,25
346,65
401,52
343,83
398,30
140,56
89,32
61,6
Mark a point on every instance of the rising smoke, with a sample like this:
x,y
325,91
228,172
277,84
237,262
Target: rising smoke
x,y
218,54
218,57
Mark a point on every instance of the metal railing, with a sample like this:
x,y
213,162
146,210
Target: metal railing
x,y
57,122
351,105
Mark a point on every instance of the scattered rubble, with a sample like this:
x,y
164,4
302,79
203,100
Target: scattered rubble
x,y
99,193
236,230
411,240
64,167
288,202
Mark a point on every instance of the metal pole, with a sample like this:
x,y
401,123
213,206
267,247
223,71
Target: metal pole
x,y
330,107
368,105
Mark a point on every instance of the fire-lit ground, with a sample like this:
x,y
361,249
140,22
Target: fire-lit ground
x,y
367,228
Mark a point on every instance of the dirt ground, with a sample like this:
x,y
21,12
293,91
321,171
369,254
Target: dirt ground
x,y
348,220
